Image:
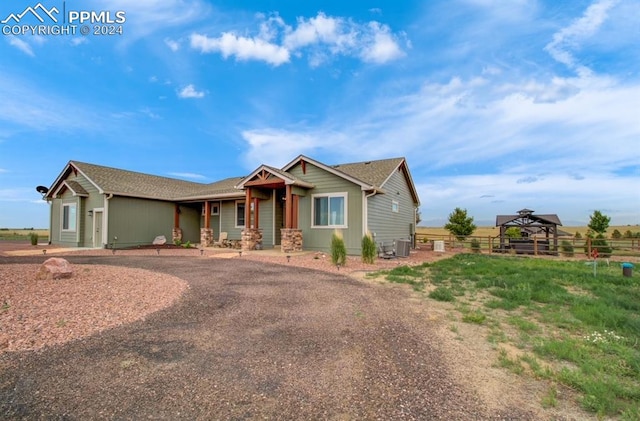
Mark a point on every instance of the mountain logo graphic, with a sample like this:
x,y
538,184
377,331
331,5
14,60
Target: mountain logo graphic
x,y
16,18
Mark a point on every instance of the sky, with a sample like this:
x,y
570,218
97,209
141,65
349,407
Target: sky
x,y
496,105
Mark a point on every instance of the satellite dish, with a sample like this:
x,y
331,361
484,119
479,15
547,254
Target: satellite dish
x,y
42,190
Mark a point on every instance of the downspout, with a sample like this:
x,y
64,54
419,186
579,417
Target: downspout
x,y
105,216
365,211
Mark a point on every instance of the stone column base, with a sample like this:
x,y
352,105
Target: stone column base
x,y
206,237
251,239
290,240
176,235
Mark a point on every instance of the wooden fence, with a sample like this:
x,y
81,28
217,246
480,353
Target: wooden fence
x,y
531,245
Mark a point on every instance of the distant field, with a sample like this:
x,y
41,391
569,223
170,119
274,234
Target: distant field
x,y
23,233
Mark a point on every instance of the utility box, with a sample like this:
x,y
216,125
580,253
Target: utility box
x,y
627,270
438,246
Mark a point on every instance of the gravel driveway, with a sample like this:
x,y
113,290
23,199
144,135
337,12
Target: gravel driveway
x,y
248,340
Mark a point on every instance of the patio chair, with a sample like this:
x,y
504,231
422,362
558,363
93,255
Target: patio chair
x,y
221,240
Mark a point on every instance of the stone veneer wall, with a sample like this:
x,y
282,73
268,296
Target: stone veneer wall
x,y
206,237
290,240
251,239
176,234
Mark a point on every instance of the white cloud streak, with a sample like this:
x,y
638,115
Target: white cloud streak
x,y
321,37
190,91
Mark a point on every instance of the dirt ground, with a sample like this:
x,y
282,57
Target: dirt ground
x,y
251,339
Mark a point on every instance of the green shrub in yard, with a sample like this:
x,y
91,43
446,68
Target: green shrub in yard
x,y
475,245
442,294
33,237
338,249
567,248
368,249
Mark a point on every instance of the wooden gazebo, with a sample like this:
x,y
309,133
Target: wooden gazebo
x,y
545,226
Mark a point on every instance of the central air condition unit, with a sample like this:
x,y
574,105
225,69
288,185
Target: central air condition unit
x,y
402,248
438,246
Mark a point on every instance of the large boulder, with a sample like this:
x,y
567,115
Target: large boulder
x,y
55,268
160,240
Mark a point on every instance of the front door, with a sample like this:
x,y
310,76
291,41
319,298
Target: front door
x,y
97,229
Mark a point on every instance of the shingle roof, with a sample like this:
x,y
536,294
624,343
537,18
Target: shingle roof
x,y
224,187
76,188
130,183
374,173
535,219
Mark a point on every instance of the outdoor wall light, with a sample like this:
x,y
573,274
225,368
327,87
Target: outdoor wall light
x,y
90,212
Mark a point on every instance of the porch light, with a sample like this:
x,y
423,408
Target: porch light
x,y
90,213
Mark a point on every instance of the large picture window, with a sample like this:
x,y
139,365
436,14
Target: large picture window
x,y
69,216
330,210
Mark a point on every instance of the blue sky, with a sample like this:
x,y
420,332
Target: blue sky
x,y
496,105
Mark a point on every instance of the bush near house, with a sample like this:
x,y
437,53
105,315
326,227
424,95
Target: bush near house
x,y
338,249
368,249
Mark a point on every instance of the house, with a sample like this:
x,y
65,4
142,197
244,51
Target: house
x,y
297,206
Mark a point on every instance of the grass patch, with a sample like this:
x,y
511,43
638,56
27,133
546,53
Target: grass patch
x,y
574,328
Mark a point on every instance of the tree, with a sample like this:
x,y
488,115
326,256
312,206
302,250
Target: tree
x,y
616,234
460,224
599,222
513,232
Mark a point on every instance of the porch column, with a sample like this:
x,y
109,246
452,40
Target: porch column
x,y
288,220
247,208
256,213
206,233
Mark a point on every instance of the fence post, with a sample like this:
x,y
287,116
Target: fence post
x,y
535,245
589,246
490,245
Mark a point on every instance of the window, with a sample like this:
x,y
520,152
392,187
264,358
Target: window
x,y
215,209
395,207
329,210
69,216
239,214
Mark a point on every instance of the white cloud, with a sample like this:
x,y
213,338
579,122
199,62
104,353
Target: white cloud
x,y
173,45
190,91
320,37
568,39
21,45
79,41
242,48
189,175
382,47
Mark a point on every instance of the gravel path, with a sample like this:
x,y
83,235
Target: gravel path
x,y
248,340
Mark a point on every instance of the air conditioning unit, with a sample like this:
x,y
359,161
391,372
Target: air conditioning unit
x,y
402,248
438,246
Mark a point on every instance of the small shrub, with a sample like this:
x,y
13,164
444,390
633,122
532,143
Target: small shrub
x,y
567,248
368,249
187,245
177,242
442,294
599,243
475,245
338,249
33,237
475,317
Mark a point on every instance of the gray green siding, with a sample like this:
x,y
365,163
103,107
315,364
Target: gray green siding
x,y
388,225
228,220
325,182
266,221
138,221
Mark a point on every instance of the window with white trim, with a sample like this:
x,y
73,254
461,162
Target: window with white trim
x,y
395,206
215,209
329,210
240,206
69,216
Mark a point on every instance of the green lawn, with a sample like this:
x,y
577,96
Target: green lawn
x,y
571,327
